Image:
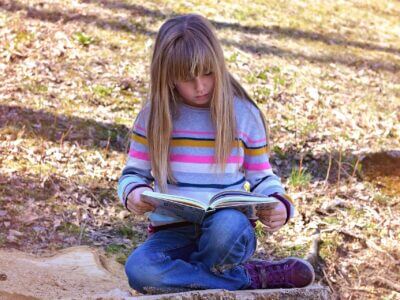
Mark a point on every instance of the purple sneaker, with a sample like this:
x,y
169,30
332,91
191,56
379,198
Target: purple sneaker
x,y
291,272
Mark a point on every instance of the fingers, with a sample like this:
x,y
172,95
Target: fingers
x,y
273,218
271,212
139,207
273,226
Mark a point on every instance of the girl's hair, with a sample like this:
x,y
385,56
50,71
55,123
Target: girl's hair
x,y
186,47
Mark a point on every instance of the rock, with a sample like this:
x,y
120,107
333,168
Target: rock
x,y
311,293
85,273
77,273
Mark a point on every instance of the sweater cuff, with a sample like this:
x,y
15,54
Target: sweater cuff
x,y
288,204
126,194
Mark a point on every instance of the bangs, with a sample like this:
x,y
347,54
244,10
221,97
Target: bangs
x,y
189,57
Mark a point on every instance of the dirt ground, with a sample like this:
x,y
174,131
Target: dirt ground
x,y
325,73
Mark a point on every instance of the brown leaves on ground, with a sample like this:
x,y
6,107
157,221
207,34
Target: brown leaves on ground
x,y
326,75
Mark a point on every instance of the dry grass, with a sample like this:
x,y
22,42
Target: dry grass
x,y
327,75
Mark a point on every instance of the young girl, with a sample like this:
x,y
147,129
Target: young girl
x,y
201,133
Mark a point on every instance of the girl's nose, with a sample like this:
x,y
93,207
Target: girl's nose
x,y
199,84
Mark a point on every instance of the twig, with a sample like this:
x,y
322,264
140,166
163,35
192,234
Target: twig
x,y
364,290
339,166
374,246
300,163
329,168
394,286
328,281
94,196
355,166
64,135
108,144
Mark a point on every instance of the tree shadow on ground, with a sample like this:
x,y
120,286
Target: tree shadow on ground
x,y
59,128
275,31
129,25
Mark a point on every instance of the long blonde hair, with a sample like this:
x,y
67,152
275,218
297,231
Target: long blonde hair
x,y
186,47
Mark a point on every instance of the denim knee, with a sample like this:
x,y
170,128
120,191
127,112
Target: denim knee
x,y
226,227
142,269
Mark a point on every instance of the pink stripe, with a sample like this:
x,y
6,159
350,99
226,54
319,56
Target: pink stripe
x,y
139,155
186,158
140,128
212,133
196,159
257,167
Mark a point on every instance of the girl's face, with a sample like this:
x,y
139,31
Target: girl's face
x,y
197,91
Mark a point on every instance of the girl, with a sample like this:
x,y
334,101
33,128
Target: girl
x,y
201,133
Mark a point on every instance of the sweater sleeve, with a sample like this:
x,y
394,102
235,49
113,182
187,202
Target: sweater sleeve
x,y
258,170
137,171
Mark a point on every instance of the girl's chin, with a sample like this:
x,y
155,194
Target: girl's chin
x,y
199,103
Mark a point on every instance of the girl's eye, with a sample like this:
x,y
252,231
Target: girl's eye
x,y
208,73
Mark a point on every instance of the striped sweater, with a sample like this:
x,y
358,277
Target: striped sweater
x,y
192,158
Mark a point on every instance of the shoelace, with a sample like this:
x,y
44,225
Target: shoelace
x,y
274,277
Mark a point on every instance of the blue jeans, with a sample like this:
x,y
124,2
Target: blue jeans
x,y
206,256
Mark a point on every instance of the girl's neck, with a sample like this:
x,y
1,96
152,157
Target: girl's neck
x,y
197,108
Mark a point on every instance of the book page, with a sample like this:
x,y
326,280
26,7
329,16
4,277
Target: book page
x,y
231,200
157,198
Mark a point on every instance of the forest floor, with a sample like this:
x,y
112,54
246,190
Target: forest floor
x,y
326,74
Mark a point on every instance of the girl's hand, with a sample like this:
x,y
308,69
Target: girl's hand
x,y
135,204
273,218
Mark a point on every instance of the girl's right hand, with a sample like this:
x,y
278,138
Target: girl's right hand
x,y
135,204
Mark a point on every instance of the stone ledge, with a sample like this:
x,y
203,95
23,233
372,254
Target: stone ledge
x,y
312,292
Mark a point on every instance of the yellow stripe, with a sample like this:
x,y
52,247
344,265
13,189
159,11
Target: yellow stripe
x,y
202,143
255,152
139,139
192,143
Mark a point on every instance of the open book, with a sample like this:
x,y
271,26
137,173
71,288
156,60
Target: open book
x,y
195,211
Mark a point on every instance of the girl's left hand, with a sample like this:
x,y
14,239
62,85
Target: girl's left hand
x,y
274,218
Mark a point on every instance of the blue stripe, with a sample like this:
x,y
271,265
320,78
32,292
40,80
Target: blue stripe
x,y
133,171
214,186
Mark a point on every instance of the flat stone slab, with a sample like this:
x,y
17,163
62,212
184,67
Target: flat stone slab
x,y
86,273
312,292
72,273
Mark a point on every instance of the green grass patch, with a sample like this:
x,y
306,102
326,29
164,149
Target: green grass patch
x,y
83,39
298,250
279,152
382,199
120,252
69,228
102,91
330,242
259,230
2,239
35,87
299,177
